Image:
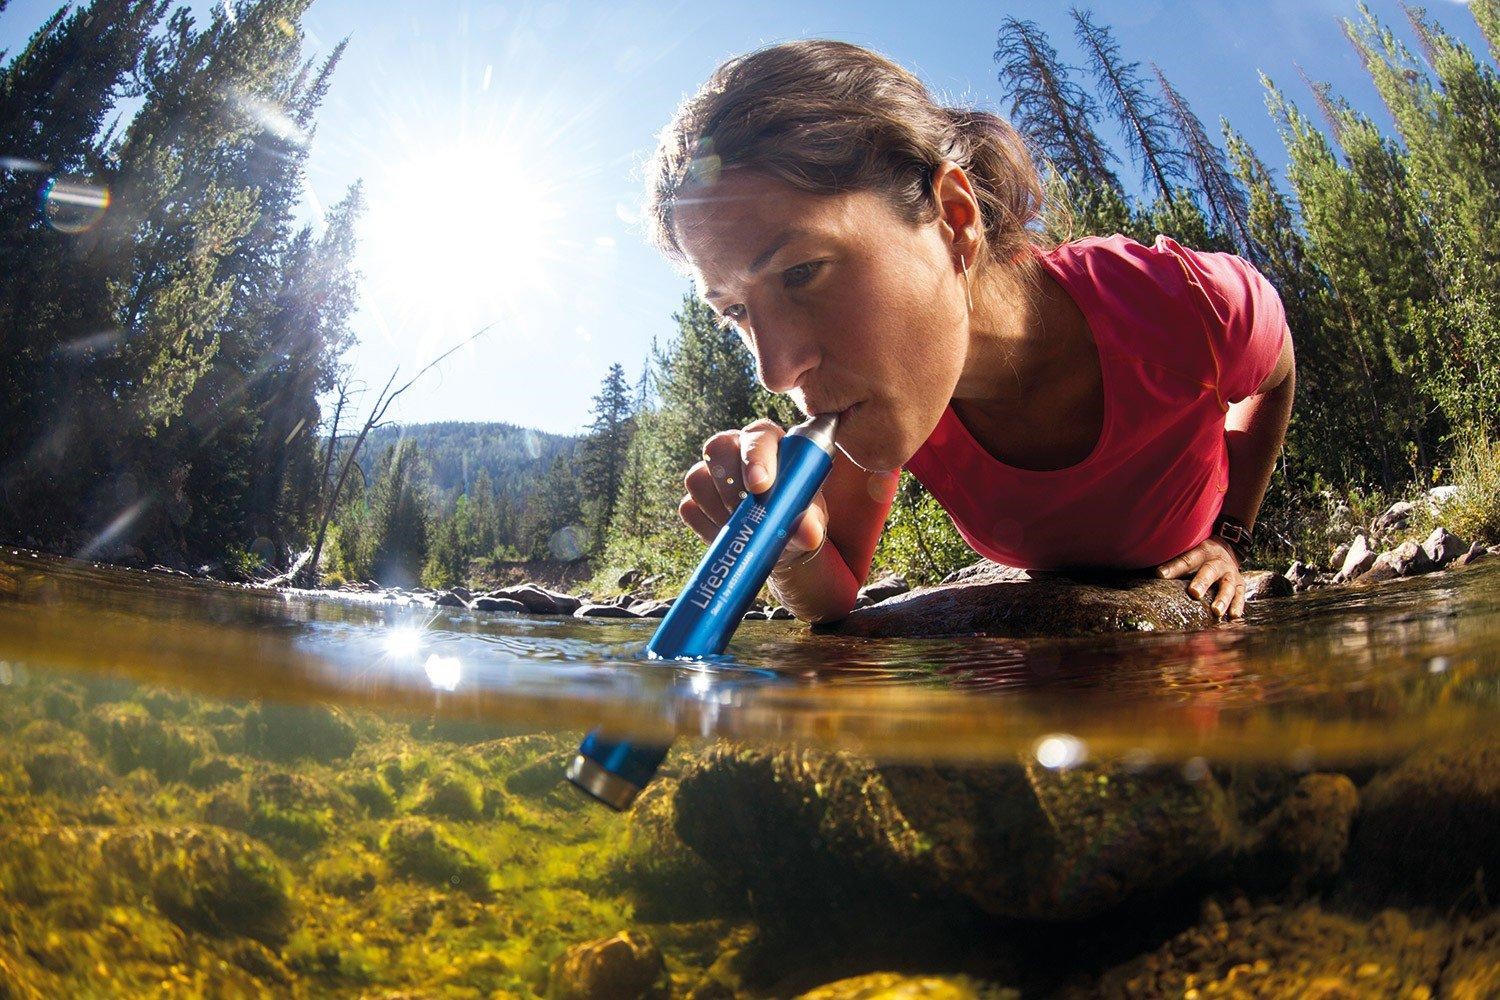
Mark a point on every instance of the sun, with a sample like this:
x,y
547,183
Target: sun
x,y
456,235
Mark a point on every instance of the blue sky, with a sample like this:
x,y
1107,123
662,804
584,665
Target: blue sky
x,y
501,146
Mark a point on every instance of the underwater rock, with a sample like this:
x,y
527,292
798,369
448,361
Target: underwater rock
x,y
201,877
286,732
1271,951
624,967
65,771
1304,837
803,830
452,793
888,585
1426,832
1442,547
896,986
668,878
293,812
213,771
1043,605
1473,968
129,737
421,849
1263,584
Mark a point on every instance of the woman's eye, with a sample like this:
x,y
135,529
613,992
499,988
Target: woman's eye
x,y
730,317
801,274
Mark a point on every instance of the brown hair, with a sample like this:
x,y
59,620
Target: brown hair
x,y
830,117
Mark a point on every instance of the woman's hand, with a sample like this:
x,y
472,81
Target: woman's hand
x,y
1213,565
737,461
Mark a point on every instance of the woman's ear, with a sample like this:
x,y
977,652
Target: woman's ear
x,y
958,209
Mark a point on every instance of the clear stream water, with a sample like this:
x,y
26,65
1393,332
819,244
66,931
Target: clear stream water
x,y
1341,679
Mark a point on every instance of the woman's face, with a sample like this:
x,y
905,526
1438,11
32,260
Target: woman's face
x,y
840,300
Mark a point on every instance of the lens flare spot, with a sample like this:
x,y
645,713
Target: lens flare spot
x,y
1059,751
403,641
74,205
569,543
443,672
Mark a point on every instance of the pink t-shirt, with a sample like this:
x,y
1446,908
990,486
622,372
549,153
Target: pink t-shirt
x,y
1181,334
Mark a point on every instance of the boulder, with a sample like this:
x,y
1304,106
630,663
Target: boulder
x,y
780,613
1339,555
498,604
1051,604
1359,558
539,600
1301,576
1426,830
1475,554
286,732
888,585
1442,547
448,599
1394,518
897,986
1406,559
804,832
1264,584
624,967
604,611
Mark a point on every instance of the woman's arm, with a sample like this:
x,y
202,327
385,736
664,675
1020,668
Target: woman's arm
x,y
1254,429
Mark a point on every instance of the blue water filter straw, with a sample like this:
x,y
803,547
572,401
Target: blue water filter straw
x,y
706,613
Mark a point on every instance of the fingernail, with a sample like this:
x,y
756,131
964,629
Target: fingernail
x,y
756,476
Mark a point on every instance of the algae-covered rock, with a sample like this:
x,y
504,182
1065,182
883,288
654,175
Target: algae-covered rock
x,y
287,732
1426,831
627,966
1276,952
453,793
1043,605
807,829
667,876
372,791
201,877
294,812
1304,838
896,986
421,849
1473,968
64,771
211,772
130,737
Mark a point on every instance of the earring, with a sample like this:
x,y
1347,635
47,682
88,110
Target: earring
x,y
963,264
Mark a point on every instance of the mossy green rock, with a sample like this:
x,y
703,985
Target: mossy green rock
x,y
452,793
896,986
419,848
1271,951
289,732
64,771
293,811
805,829
1007,602
1427,831
668,877
130,737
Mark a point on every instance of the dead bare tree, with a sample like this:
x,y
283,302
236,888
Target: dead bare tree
x,y
309,572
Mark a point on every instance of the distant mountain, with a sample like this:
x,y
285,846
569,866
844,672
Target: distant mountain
x,y
516,457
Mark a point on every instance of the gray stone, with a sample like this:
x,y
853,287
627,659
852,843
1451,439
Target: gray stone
x,y
624,967
988,569
1409,559
464,593
604,611
540,600
1301,576
1394,518
887,586
498,604
1263,584
652,609
1359,558
780,613
1442,547
448,599
755,615
1476,552
998,603
1339,555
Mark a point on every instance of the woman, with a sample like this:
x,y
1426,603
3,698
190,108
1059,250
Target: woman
x,y
1100,403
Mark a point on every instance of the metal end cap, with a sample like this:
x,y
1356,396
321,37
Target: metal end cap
x,y
606,786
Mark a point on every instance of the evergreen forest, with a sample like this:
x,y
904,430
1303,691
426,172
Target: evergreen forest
x,y
174,382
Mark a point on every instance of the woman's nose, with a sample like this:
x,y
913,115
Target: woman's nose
x,y
783,353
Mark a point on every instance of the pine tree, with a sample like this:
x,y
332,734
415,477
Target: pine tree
x,y
604,452
1228,210
1054,114
399,506
1144,122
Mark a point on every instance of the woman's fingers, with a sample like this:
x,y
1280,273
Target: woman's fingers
x,y
1237,605
693,514
1182,565
722,458
704,490
759,443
